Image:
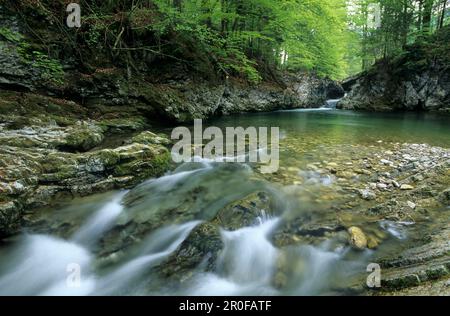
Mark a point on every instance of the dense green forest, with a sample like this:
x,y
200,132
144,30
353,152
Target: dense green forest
x,y
249,38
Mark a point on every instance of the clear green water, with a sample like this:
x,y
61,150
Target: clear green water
x,y
270,256
347,127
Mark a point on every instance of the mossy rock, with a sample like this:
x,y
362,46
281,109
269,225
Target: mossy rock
x,y
202,247
149,138
108,157
118,125
84,138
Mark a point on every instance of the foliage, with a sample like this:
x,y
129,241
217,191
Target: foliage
x,y
402,23
50,69
243,38
251,39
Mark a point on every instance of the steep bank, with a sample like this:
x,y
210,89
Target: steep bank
x,y
417,80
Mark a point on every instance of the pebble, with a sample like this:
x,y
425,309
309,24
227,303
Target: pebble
x,y
405,187
411,205
372,242
357,238
367,194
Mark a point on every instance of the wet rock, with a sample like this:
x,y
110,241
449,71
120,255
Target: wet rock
x,y
148,138
418,265
10,215
83,137
367,194
245,212
357,238
199,251
372,242
386,162
444,197
57,162
411,205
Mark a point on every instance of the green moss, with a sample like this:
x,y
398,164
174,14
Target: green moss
x,y
84,139
152,167
149,138
401,282
50,69
436,273
123,124
108,157
10,35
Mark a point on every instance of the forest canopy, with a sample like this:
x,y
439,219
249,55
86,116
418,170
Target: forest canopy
x,y
253,38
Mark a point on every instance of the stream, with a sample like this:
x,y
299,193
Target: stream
x,y
209,228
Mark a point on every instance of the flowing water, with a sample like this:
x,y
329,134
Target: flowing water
x,y
160,237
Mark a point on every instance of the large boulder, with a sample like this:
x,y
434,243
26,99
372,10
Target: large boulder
x,y
416,80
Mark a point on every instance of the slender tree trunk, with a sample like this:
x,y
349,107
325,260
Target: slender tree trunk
x,y
427,14
444,8
224,22
405,23
419,15
365,50
207,11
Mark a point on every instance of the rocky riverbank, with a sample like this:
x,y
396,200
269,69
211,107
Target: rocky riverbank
x,y
51,148
418,80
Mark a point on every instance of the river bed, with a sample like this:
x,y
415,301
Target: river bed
x,y
210,228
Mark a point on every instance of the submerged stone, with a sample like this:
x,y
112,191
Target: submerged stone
x,y
357,238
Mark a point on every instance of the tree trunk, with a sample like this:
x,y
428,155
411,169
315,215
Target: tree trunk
x,y
419,17
405,23
224,22
444,8
427,13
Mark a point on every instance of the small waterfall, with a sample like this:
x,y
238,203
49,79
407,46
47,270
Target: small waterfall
x,y
158,246
257,263
331,104
39,266
246,264
104,219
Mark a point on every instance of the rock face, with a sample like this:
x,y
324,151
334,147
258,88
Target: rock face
x,y
188,100
39,161
418,80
